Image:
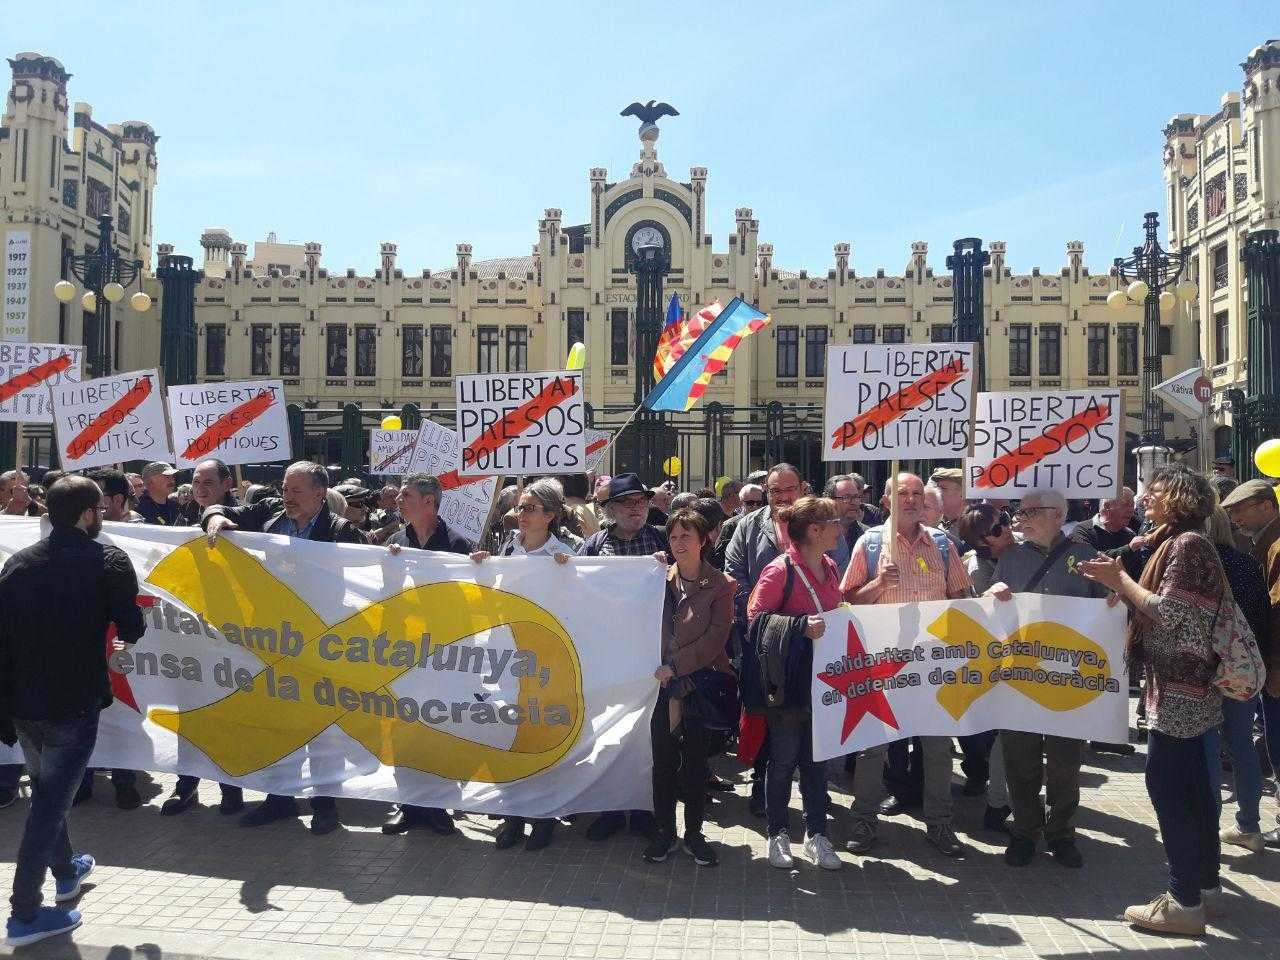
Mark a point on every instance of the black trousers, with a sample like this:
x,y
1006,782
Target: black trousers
x,y
679,757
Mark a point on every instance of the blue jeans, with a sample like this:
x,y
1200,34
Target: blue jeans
x,y
1271,728
1178,784
791,746
1237,730
57,753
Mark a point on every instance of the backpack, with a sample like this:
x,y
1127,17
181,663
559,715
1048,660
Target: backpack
x,y
873,543
1241,672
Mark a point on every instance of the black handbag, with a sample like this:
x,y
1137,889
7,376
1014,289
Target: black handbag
x,y
712,700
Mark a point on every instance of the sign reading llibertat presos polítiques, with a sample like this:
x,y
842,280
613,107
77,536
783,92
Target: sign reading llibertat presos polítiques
x,y
521,423
1071,441
890,401
240,421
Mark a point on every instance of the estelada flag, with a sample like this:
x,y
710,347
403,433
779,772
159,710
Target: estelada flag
x,y
711,337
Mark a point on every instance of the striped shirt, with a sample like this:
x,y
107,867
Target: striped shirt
x,y
924,574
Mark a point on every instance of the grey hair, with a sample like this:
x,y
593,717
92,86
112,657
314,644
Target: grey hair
x,y
686,499
549,494
1047,498
10,475
829,491
933,489
318,474
426,486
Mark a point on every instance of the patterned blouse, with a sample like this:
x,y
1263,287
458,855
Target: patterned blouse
x,y
1177,648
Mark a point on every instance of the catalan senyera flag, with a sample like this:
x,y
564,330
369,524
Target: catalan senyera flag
x,y
711,336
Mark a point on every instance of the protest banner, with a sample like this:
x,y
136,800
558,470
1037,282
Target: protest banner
x,y
110,420
17,285
898,401
27,371
240,421
521,423
300,668
391,451
466,501
597,446
1071,441
1038,663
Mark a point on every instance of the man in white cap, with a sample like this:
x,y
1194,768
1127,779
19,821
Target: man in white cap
x,y
157,505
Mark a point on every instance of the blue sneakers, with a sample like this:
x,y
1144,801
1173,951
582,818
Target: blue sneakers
x,y
69,889
49,922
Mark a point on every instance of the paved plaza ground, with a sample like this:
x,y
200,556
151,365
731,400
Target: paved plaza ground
x,y
199,886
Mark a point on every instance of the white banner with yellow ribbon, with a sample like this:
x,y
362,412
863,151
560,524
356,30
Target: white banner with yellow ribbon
x,y
948,668
305,669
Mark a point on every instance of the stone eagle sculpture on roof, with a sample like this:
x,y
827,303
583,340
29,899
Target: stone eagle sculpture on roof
x,y
650,112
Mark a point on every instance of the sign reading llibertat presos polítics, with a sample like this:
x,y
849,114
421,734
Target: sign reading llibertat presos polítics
x,y
110,420
890,401
521,423
1070,441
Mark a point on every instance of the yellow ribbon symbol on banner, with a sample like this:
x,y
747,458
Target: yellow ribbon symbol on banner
x,y
248,730
955,628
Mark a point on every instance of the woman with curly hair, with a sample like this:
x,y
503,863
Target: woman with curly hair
x,y
1173,607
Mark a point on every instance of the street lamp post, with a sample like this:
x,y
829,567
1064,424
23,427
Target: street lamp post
x,y
647,431
1152,275
105,275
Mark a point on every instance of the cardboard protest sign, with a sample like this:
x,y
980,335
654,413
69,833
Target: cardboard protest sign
x,y
27,371
1071,441
110,420
240,421
466,501
521,423
391,451
888,401
597,447
947,668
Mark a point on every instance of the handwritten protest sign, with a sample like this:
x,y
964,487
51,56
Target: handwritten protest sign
x,y
391,451
242,421
947,668
464,506
898,401
27,371
110,420
521,423
1071,441
597,446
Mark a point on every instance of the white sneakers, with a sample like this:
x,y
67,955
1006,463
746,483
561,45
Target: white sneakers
x,y
780,852
821,854
1236,837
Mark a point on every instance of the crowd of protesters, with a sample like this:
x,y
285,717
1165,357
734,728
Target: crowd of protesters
x,y
752,565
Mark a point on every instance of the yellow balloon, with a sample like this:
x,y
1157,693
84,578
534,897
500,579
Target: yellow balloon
x,y
391,422
671,466
1267,458
577,356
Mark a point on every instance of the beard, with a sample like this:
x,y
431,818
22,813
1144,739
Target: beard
x,y
94,528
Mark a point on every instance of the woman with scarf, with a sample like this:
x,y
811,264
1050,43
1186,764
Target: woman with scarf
x,y
1173,608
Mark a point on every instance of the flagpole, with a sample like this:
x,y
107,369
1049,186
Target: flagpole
x,y
617,433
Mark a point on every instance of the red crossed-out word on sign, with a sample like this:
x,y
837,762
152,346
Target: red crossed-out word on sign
x,y
851,432
1004,468
34,377
110,418
229,424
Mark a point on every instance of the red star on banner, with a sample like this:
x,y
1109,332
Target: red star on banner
x,y
873,702
119,682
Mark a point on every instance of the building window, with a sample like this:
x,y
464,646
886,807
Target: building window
x,y
215,350
864,333
575,322
366,350
942,333
1221,338
1165,343
97,198
895,334
1019,350
290,349
788,352
441,352
815,351
1127,350
618,352
1215,197
1050,350
487,350
411,351
124,221
1099,350
517,349
260,350
335,353
1219,266
1222,441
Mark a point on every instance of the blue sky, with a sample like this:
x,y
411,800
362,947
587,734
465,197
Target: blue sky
x,y
873,123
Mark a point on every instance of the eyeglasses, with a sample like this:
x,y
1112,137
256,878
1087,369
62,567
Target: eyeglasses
x,y
852,498
753,504
636,500
1026,512
794,488
528,508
